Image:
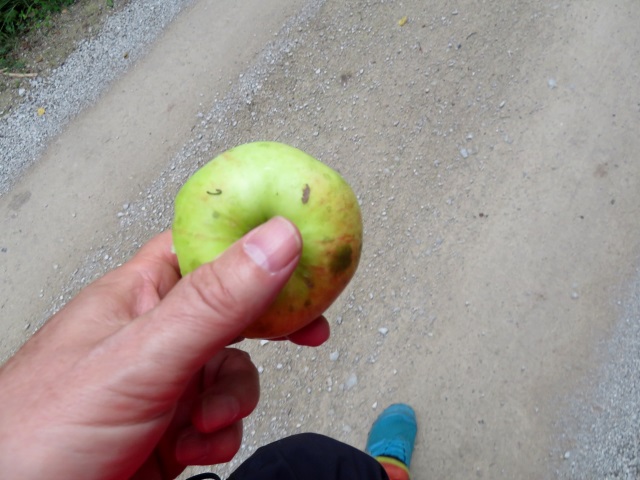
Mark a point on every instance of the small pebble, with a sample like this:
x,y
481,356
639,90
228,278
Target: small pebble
x,y
351,382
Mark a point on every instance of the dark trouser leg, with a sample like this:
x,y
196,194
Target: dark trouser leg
x,y
309,456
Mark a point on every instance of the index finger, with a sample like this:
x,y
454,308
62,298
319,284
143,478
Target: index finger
x,y
157,262
312,335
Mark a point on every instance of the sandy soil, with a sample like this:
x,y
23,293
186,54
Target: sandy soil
x,y
493,148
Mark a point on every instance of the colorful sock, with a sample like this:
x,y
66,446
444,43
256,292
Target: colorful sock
x,y
396,470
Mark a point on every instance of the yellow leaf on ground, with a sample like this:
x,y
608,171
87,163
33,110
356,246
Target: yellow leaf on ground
x,y
402,21
41,111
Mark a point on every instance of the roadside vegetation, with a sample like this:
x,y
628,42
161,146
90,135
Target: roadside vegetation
x,y
38,35
18,17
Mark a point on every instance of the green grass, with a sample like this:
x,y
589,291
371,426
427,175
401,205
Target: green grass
x,y
17,17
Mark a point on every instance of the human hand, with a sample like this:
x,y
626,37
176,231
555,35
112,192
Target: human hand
x,y
133,378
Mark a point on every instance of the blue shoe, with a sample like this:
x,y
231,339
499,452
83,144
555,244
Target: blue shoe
x,y
393,434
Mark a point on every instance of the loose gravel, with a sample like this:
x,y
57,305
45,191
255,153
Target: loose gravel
x,y
602,423
53,101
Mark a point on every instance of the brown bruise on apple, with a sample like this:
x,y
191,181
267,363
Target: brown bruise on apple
x,y
341,259
311,292
312,288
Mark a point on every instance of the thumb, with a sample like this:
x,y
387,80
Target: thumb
x,y
212,305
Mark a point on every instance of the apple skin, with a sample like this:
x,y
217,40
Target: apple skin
x,y
246,186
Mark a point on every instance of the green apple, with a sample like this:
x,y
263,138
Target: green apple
x,y
246,186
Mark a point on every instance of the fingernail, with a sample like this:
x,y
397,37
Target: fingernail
x,y
273,245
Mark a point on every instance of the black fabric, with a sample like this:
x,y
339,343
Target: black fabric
x,y
309,456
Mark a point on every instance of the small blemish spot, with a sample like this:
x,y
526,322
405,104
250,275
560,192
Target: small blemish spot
x,y
308,281
306,191
341,260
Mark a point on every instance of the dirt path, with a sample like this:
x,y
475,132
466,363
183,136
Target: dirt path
x,y
493,149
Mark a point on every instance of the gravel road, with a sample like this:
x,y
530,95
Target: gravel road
x,y
493,150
